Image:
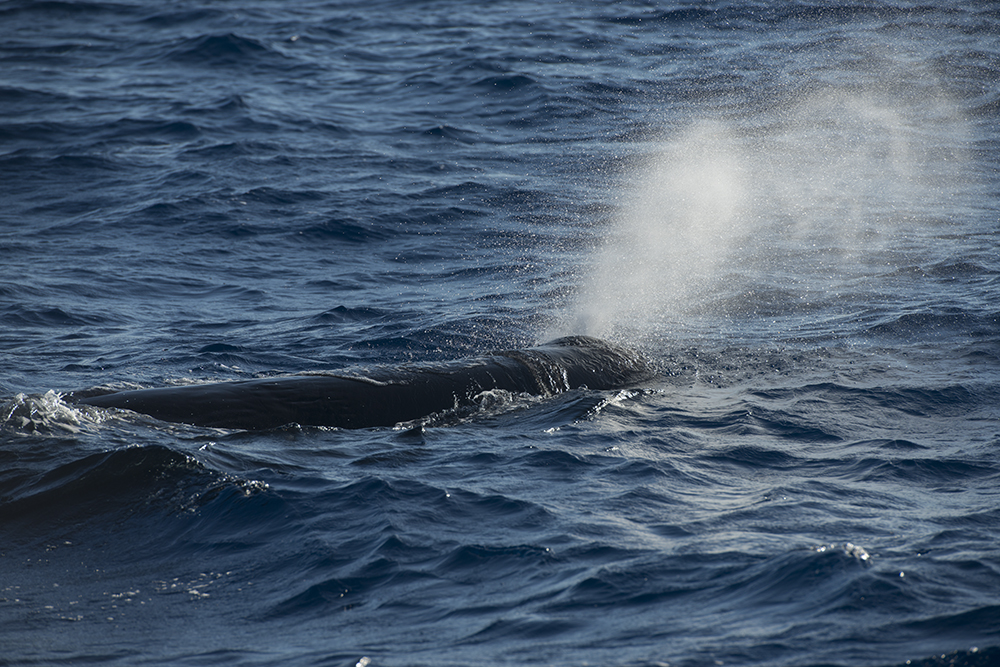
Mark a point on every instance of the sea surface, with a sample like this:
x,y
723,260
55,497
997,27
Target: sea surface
x,y
792,209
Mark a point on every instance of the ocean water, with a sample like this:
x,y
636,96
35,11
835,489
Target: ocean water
x,y
791,209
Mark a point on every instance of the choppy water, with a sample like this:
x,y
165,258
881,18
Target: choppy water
x,y
791,208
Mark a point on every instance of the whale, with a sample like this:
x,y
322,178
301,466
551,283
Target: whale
x,y
387,396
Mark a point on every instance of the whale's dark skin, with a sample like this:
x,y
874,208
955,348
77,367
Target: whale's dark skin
x,y
387,396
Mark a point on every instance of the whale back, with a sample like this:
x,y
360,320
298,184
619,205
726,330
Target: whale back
x,y
573,362
387,396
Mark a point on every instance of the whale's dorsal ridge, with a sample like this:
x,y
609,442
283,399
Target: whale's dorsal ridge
x,y
388,396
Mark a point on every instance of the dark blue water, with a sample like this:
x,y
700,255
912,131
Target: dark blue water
x,y
793,209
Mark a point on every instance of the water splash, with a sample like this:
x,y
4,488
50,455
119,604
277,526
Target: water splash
x,y
39,413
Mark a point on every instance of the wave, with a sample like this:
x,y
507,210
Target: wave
x,y
927,472
976,657
505,83
344,230
170,18
226,49
151,489
345,314
35,316
63,8
938,323
916,401
453,133
359,571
